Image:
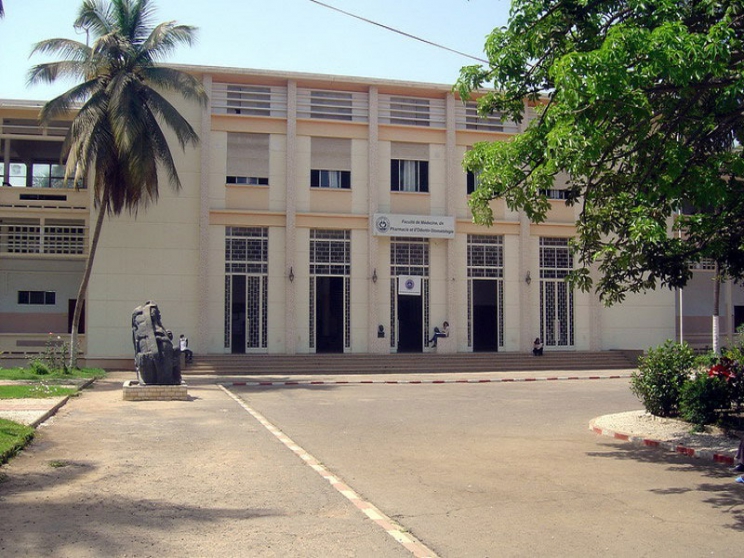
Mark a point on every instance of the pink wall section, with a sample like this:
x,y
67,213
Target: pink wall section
x,y
11,322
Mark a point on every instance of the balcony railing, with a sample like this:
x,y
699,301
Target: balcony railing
x,y
50,238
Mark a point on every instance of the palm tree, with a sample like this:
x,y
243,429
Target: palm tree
x,y
116,135
2,12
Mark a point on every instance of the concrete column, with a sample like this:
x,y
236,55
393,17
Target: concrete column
x,y
528,313
290,242
452,168
376,344
205,143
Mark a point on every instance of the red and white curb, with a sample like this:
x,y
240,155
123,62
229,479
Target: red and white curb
x,y
671,446
269,383
396,531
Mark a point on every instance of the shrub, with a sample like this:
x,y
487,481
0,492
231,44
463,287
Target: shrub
x,y
661,374
39,367
704,399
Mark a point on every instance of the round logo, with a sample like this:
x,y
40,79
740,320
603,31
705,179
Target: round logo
x,y
382,224
409,284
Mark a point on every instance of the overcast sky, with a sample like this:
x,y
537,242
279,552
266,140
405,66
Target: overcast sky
x,y
282,35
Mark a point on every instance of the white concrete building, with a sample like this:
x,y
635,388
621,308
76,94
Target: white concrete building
x,y
319,214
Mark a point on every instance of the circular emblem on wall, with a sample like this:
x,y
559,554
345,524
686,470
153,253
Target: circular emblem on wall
x,y
409,284
382,224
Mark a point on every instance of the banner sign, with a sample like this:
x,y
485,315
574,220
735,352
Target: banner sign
x,y
388,224
409,285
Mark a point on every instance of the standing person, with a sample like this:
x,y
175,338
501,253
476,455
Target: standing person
x,y
537,347
183,344
444,332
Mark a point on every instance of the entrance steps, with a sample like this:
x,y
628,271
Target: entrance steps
x,y
407,363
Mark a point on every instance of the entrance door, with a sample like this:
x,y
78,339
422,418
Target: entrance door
x,y
485,316
237,313
556,320
329,314
410,324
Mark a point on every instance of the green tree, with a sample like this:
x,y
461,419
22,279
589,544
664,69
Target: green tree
x,y
116,136
639,104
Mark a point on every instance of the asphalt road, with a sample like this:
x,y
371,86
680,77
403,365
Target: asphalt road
x,y
511,469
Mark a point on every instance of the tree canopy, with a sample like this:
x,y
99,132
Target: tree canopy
x,y
116,135
639,103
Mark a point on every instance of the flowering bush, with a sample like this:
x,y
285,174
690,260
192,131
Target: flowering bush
x,y
55,356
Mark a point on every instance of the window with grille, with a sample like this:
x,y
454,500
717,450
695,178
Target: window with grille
x,y
247,255
330,252
556,295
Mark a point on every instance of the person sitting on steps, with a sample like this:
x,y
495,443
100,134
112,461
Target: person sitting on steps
x,y
537,347
183,344
444,332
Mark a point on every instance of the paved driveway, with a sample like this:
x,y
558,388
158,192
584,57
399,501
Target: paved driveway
x,y
478,470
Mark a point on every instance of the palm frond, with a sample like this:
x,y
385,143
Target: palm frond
x,y
65,48
166,37
170,79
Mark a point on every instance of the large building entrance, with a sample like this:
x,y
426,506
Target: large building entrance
x,y
329,314
330,290
485,315
246,289
410,324
409,313
485,292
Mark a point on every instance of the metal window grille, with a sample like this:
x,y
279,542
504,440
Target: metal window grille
x,y
556,296
247,254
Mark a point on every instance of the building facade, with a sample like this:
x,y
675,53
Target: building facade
x,y
318,214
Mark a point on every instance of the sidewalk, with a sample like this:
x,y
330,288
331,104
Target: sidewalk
x,y
107,477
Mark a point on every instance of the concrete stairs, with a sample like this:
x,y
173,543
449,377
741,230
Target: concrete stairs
x,y
413,363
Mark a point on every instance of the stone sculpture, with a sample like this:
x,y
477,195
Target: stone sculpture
x,y
157,361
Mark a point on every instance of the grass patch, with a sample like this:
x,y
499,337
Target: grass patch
x,y
29,374
34,391
13,438
56,464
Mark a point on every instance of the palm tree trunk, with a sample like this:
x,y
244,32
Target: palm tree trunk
x,y
84,287
716,308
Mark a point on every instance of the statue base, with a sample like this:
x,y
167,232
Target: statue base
x,y
134,391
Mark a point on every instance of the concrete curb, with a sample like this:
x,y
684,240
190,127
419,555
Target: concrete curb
x,y
51,412
671,446
269,383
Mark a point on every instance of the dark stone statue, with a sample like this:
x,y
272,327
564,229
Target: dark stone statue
x,y
158,362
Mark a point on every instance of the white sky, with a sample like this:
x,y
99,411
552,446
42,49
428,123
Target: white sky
x,y
281,35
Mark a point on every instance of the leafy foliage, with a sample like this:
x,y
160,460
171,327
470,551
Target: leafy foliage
x,y
704,400
661,374
638,104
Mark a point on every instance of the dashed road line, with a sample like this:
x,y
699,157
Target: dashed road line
x,y
392,528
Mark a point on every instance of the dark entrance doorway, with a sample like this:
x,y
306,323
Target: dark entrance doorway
x,y
410,324
237,313
329,314
485,315
70,314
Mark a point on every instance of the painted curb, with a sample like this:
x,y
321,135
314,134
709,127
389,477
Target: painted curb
x,y
51,412
270,383
671,446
